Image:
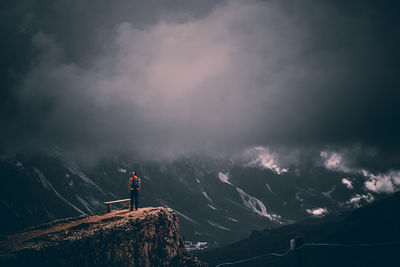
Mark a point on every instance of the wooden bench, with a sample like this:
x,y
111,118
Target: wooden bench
x,y
108,203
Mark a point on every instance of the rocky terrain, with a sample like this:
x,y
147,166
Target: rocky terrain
x,y
232,196
147,237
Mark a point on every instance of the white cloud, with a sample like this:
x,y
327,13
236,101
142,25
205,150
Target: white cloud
x,y
261,157
334,161
348,183
357,198
317,211
219,79
382,183
388,182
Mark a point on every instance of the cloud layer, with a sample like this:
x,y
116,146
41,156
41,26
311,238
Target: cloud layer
x,y
375,181
210,77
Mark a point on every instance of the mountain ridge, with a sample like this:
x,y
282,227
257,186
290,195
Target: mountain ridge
x,y
374,227
231,197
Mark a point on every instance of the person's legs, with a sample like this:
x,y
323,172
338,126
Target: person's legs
x,y
131,195
136,199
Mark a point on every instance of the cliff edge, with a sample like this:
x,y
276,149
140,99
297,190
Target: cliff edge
x,y
147,237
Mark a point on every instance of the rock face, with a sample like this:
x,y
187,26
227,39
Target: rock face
x,y
147,237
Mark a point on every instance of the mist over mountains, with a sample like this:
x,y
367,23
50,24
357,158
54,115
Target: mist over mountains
x,y
218,199
162,80
238,115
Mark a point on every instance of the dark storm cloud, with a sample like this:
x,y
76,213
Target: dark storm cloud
x,y
178,76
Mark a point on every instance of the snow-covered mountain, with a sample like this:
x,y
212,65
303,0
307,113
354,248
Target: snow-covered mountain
x,y
218,200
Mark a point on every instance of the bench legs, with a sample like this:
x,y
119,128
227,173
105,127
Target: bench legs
x,y
108,207
108,204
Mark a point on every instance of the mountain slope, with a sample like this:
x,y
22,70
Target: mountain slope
x,y
218,200
377,223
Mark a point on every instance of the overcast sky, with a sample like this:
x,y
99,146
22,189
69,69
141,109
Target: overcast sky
x,y
171,77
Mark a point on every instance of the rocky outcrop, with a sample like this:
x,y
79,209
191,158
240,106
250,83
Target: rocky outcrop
x,y
147,237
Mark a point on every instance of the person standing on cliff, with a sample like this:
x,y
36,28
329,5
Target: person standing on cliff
x,y
134,188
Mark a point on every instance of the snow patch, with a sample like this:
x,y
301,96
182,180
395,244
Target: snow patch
x,y
317,212
49,214
113,195
84,203
217,225
255,205
96,203
206,196
185,216
212,207
269,188
177,212
66,201
42,179
231,219
48,186
74,169
193,246
224,178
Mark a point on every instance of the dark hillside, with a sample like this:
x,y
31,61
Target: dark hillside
x,y
376,227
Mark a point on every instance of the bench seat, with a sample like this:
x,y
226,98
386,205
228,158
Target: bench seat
x,y
108,203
